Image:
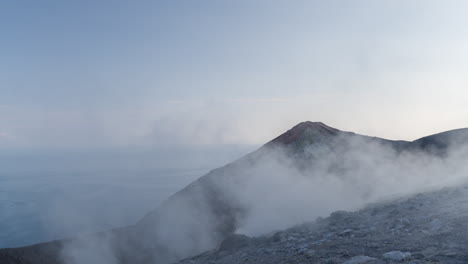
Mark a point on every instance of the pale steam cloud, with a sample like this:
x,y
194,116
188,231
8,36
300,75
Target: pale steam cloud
x,y
278,188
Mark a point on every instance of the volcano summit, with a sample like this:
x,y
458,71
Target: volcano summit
x,y
267,207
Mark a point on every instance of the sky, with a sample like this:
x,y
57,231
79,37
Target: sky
x,y
120,74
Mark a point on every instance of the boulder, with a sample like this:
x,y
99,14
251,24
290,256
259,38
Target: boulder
x,y
234,241
360,259
396,255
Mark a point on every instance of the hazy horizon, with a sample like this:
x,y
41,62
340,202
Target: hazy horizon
x,y
55,194
100,74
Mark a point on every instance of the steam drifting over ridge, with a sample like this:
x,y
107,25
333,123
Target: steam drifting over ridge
x,y
307,172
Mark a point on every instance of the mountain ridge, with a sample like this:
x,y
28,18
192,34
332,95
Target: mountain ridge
x,y
149,239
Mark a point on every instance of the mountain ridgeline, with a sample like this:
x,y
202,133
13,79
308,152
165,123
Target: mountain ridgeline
x,y
308,172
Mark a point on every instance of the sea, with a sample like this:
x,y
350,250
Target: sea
x,y
55,194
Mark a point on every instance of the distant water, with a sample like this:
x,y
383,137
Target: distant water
x,y
53,196
36,208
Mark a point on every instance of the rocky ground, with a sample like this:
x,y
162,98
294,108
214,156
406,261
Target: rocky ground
x,y
426,228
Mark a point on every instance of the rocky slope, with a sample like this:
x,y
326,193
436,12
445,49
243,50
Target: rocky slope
x,y
309,158
424,228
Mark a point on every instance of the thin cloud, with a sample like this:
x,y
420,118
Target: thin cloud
x,y
257,100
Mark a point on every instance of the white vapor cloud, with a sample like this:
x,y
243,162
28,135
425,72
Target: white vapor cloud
x,y
277,187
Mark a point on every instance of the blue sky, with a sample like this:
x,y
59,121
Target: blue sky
x,y
141,73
